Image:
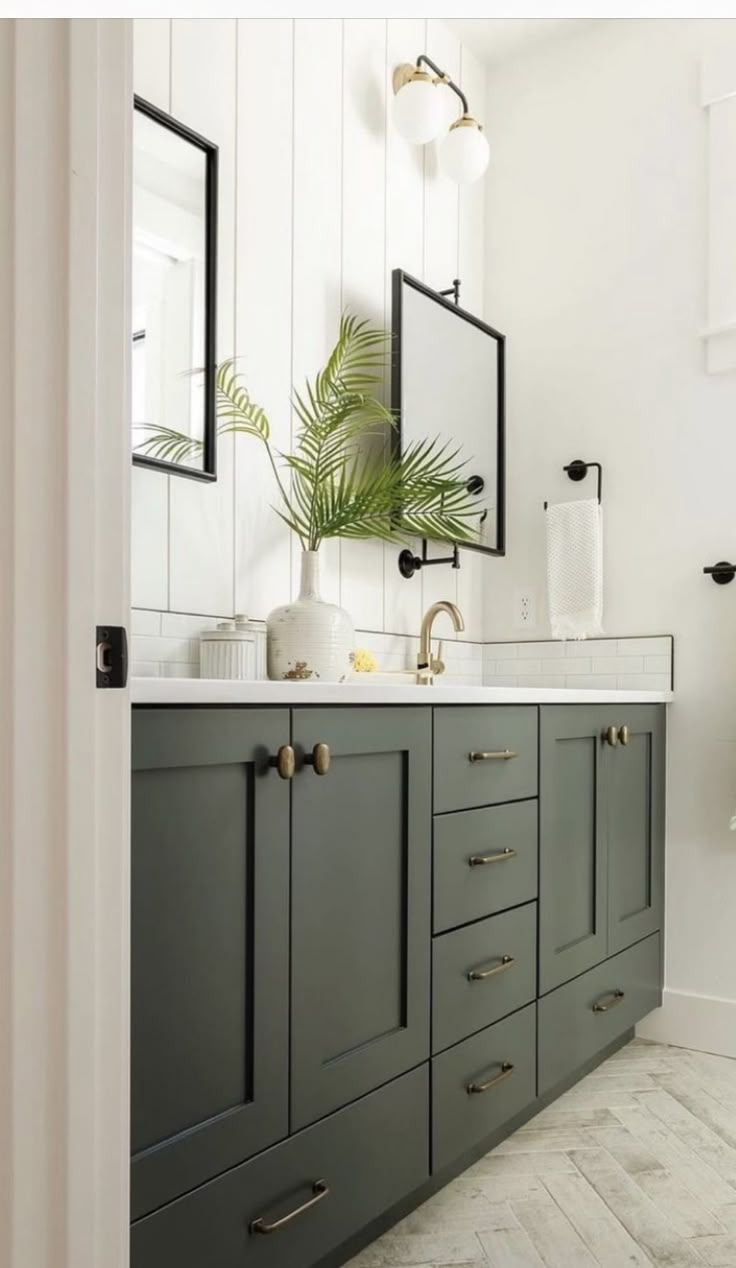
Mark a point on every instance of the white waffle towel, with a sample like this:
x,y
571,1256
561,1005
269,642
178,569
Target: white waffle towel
x,y
575,568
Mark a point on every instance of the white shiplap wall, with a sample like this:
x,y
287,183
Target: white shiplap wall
x,y
319,200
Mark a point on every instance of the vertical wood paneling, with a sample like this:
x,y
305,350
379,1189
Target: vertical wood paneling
x,y
149,546
319,200
318,193
471,234
404,250
364,257
203,95
440,260
263,543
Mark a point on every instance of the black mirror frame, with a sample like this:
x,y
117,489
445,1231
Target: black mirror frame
x,y
399,280
208,471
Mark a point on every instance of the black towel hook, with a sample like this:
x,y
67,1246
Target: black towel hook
x,y
722,572
578,470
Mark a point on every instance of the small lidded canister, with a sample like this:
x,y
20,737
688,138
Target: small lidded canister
x,y
228,651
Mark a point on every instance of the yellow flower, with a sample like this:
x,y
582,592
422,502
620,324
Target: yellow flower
x,y
364,662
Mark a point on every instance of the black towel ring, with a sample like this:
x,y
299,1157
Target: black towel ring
x,y
578,470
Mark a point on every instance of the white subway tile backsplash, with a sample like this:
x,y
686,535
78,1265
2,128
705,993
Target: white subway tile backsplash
x,y
167,644
655,646
618,665
589,647
144,621
643,682
657,665
603,682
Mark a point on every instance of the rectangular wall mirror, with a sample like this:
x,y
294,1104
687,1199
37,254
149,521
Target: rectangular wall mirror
x,y
448,381
174,296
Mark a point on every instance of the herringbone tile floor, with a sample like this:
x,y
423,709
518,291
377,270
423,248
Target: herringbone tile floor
x,y
635,1167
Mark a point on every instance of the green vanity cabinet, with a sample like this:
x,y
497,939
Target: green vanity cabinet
x,y
601,814
367,942
210,939
361,895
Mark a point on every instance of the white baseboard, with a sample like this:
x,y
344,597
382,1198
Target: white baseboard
x,y
693,1021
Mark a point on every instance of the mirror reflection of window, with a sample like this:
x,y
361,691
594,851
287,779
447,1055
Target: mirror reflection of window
x,y
170,295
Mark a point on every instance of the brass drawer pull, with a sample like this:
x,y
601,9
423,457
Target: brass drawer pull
x,y
480,975
500,755
480,860
506,1069
608,1002
320,1190
319,759
610,736
624,735
284,761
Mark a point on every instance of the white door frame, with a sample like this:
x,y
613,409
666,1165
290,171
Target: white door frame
x,y
65,138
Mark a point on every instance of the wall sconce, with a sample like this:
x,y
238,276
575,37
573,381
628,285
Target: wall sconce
x,y
419,118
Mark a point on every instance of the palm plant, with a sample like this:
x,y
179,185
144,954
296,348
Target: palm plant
x,y
342,482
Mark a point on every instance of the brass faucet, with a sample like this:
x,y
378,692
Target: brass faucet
x,y
427,664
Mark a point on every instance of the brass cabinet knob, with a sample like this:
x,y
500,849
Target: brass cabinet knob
x,y
285,761
610,735
319,759
624,734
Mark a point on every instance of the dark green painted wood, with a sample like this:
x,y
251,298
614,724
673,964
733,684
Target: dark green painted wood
x,y
371,1155
463,893
460,784
636,809
210,895
361,862
461,1119
460,1006
439,1179
570,1032
572,841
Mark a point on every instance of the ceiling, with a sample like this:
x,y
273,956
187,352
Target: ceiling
x,y
495,39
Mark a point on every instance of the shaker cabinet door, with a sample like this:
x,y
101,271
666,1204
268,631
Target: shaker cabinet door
x,y
210,902
572,842
636,792
361,885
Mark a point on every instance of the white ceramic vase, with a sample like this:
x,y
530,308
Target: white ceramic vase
x,y
310,640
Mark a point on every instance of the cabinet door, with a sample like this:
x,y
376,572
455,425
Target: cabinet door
x,y
636,790
572,842
210,899
361,850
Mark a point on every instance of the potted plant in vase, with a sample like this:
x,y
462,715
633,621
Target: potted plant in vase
x,y
343,480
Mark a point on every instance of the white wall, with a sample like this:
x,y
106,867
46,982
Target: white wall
x,y
596,269
319,200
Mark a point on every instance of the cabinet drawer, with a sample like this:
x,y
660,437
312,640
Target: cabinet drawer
x,y
481,973
484,861
501,1063
369,1156
504,768
579,1019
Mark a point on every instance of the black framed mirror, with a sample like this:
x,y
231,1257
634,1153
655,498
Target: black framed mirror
x,y
174,296
448,380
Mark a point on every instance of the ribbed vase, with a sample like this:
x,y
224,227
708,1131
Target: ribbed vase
x,y
309,639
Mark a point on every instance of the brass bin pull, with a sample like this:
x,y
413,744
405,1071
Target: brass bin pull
x,y
320,1190
480,860
608,1002
506,1070
624,735
490,970
610,736
500,755
284,761
319,759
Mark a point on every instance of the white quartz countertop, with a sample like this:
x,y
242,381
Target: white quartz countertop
x,y
226,691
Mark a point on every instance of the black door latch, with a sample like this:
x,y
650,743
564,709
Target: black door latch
x,y
111,656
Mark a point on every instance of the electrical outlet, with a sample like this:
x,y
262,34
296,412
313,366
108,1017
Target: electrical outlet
x,y
525,616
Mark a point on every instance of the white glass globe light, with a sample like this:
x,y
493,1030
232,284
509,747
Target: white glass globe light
x,y
418,114
464,152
